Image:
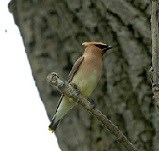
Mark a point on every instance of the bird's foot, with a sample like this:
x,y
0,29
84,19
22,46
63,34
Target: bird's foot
x,y
76,88
93,104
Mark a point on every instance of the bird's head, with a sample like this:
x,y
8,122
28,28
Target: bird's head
x,y
97,46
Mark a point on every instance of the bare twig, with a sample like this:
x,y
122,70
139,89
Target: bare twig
x,y
155,49
69,90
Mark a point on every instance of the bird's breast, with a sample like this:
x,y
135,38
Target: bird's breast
x,y
86,81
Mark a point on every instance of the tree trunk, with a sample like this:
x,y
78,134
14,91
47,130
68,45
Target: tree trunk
x,y
53,31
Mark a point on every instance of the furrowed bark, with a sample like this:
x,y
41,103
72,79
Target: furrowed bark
x,y
155,49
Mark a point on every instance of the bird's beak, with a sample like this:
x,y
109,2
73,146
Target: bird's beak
x,y
107,48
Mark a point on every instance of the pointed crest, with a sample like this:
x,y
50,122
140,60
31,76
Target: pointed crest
x,y
93,43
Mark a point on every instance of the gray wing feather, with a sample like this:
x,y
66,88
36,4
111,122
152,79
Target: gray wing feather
x,y
71,75
75,68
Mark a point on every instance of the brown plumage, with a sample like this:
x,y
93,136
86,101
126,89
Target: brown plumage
x,y
85,74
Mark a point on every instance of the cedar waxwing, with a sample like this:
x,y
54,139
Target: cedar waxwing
x,y
85,74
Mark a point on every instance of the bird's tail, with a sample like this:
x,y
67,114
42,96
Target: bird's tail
x,y
65,105
52,127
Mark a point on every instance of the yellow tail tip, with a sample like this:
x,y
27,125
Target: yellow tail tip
x,y
50,129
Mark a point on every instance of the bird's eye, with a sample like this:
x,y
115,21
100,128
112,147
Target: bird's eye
x,y
101,46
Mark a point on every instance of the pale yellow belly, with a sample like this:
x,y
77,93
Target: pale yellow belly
x,y
86,84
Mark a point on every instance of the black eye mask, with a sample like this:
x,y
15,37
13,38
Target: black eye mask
x,y
103,47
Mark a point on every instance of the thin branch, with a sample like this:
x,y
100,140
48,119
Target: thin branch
x,y
70,91
155,49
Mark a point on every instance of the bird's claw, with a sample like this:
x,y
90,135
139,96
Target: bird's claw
x,y
75,87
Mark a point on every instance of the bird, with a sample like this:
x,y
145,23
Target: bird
x,y
85,74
